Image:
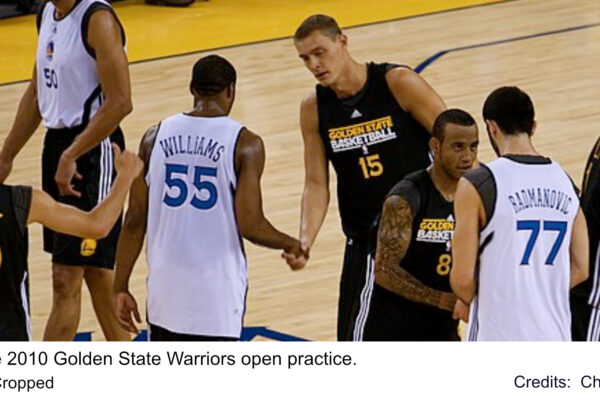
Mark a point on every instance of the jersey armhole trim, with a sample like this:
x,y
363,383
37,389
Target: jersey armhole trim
x,y
86,21
150,150
489,211
39,16
235,145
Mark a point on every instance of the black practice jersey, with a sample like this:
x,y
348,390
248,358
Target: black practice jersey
x,y
372,143
590,204
393,317
14,288
428,255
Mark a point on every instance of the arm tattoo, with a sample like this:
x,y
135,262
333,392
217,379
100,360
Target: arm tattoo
x,y
393,239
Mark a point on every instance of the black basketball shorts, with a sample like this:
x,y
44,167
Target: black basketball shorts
x,y
97,169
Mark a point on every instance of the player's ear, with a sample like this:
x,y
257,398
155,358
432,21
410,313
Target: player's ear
x,y
492,127
434,145
343,39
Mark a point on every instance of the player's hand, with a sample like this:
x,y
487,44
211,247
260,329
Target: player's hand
x,y
461,310
65,172
296,256
127,164
124,304
5,167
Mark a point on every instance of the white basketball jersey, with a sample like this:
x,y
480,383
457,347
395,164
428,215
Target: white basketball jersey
x,y
197,278
524,270
68,85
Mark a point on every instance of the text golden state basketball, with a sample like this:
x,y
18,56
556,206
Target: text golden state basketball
x,y
362,135
436,230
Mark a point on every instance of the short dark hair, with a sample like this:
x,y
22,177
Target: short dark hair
x,y
318,22
211,74
511,108
451,116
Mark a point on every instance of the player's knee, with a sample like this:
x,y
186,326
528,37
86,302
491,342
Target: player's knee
x,y
66,284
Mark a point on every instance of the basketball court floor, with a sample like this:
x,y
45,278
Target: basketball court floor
x,y
464,49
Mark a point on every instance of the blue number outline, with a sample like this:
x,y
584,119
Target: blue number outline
x,y
199,184
561,227
205,185
175,182
534,227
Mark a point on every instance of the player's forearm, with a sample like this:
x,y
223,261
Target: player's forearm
x,y
463,287
104,123
399,281
315,201
129,248
26,121
262,233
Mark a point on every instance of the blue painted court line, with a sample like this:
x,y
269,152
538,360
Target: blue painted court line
x,y
440,54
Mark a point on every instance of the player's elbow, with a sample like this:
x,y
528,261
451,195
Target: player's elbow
x,y
120,106
125,106
250,229
98,230
580,272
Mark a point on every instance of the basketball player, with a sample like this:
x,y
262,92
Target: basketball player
x,y
585,297
80,88
22,205
372,122
517,219
201,190
412,299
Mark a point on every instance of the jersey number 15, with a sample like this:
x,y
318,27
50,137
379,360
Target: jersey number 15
x,y
173,181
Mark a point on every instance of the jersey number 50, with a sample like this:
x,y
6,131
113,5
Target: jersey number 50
x,y
51,79
182,186
534,227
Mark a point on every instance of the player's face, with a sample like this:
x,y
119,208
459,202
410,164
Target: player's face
x,y
458,150
323,56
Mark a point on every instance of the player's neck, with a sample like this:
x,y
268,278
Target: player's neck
x,y
63,7
208,108
519,144
351,81
443,182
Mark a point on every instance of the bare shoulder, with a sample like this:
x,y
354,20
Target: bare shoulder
x,y
249,151
396,205
104,28
249,142
309,102
103,18
401,77
309,115
147,142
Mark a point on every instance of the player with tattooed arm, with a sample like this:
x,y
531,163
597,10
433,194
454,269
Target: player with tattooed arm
x,y
412,299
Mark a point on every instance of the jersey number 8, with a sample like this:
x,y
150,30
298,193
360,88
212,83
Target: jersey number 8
x,y
199,184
